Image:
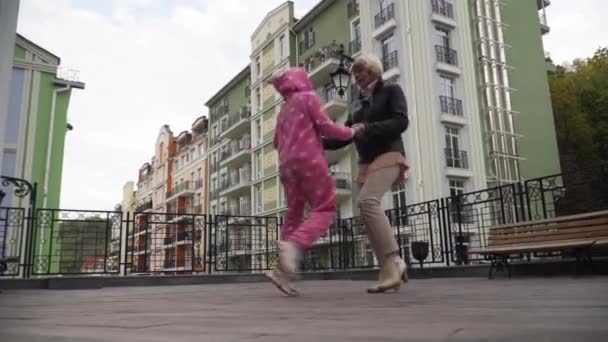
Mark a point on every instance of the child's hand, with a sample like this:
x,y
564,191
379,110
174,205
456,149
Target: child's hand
x,y
358,130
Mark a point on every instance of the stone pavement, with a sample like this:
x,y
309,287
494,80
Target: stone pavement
x,y
460,309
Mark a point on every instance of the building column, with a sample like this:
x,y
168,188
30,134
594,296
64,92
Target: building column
x,y
9,10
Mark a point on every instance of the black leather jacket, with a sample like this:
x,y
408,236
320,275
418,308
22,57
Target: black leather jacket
x,y
385,117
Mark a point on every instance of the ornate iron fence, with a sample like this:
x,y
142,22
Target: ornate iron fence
x,y
49,242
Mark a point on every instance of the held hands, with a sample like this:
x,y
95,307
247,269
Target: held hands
x,y
358,130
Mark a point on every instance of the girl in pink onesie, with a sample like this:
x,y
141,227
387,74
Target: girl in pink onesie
x,y
303,171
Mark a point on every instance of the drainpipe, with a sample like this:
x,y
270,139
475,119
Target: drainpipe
x,y
50,141
297,45
419,185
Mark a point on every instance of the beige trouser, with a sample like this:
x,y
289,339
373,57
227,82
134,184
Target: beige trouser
x,y
377,225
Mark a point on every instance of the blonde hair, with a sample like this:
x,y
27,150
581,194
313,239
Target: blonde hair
x,y
370,63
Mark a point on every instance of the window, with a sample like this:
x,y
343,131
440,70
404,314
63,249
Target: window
x,y
454,156
257,198
388,45
446,86
452,137
442,37
258,98
282,47
356,30
456,188
257,165
308,39
258,67
257,133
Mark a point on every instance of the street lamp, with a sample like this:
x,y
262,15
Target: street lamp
x,y
341,77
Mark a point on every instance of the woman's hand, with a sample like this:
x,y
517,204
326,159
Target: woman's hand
x,y
359,130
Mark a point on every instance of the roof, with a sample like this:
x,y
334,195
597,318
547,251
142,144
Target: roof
x,y
231,84
30,45
312,14
270,14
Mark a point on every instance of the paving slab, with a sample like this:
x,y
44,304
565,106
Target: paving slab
x,y
446,309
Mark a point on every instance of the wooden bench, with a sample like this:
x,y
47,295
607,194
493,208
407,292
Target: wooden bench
x,y
577,233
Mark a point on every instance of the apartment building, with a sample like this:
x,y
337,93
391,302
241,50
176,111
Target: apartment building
x,y
171,194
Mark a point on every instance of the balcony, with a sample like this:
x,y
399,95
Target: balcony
x,y
446,55
236,124
334,104
343,183
320,64
456,159
384,21
451,110
180,215
390,63
236,185
186,188
544,25
354,47
237,152
146,206
443,13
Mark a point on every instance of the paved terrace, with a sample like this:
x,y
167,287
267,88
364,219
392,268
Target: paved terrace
x,y
446,309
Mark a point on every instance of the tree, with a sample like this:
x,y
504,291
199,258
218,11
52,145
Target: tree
x,y
579,95
81,241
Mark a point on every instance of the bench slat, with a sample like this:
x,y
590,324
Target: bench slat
x,y
578,217
533,247
548,233
553,237
533,227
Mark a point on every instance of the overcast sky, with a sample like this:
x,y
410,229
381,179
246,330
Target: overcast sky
x,y
152,62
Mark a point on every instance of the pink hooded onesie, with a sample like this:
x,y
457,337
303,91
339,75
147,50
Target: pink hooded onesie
x,y
302,166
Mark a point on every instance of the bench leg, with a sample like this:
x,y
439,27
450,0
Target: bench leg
x,y
498,263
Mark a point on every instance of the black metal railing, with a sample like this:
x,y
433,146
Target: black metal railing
x,y
456,159
443,7
446,55
451,105
385,15
147,205
354,46
390,60
434,233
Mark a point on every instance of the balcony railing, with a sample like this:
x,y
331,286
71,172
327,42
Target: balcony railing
x,y
354,46
343,180
181,188
443,7
390,60
236,147
385,15
456,158
353,8
446,55
144,206
231,120
326,52
451,105
243,179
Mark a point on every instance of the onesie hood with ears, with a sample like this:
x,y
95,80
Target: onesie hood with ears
x,y
291,81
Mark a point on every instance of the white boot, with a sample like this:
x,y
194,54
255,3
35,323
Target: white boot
x,y
289,258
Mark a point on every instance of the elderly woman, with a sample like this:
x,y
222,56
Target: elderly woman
x,y
380,114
